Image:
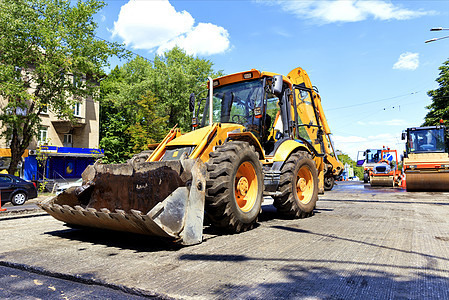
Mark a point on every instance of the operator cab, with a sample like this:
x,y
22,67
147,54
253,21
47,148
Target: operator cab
x,y
265,105
248,103
426,139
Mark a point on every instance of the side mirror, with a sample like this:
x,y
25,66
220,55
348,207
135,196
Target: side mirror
x,y
277,85
404,136
192,102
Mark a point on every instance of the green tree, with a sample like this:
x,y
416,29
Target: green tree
x,y
175,75
145,99
120,92
150,126
50,59
345,159
439,108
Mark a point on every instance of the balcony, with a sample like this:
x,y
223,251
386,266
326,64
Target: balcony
x,y
64,126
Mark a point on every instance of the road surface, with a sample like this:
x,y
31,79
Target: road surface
x,y
362,243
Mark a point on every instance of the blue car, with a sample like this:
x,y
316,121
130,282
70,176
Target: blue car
x,y
16,190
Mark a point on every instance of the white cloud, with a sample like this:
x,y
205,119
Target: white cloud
x,y
407,61
328,11
199,40
157,26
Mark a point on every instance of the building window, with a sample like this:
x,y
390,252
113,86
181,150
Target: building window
x,y
68,140
43,134
77,109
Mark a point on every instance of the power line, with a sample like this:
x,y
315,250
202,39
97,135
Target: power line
x,y
369,102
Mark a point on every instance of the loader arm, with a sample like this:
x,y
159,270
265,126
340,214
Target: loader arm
x,y
309,113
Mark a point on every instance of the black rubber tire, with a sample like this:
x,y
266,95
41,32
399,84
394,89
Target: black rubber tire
x,y
19,198
221,207
288,204
365,178
328,183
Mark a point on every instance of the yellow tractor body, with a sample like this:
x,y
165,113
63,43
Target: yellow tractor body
x,y
254,134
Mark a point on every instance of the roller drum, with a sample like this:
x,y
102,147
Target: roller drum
x,y
382,181
427,181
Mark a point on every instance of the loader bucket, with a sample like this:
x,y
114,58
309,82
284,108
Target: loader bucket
x,y
163,199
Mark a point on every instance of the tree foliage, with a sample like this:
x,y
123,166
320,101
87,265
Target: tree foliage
x,y
345,159
145,99
50,58
439,108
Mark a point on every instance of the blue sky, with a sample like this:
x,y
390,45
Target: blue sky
x,y
367,58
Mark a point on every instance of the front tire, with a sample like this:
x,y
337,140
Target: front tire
x,y
329,182
365,178
19,198
234,187
298,186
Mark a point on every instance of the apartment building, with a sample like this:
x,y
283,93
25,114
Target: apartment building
x,y
63,149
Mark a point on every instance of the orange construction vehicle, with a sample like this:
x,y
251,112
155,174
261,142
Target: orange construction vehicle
x,y
385,172
426,160
367,159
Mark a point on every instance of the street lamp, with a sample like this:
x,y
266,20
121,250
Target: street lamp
x,y
436,39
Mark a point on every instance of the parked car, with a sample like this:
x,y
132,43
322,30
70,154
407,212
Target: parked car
x,y
16,190
61,188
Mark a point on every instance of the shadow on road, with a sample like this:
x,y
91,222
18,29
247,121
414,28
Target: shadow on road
x,y
122,240
298,230
306,278
301,282
145,243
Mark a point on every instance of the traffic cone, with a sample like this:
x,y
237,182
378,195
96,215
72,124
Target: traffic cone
x,y
1,209
403,182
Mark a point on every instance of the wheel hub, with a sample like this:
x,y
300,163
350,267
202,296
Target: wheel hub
x,y
242,186
301,184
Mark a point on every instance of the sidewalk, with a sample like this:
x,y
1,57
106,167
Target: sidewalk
x,y
39,198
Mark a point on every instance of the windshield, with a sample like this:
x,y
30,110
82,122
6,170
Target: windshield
x,y
426,140
373,155
236,103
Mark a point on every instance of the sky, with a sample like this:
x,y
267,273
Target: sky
x,y
368,59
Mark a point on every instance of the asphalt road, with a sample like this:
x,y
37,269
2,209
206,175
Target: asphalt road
x,y
362,243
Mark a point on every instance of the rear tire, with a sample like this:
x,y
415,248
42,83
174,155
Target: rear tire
x,y
328,183
234,188
19,198
298,186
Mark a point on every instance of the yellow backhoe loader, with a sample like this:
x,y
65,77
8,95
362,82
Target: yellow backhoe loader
x,y
254,134
426,160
